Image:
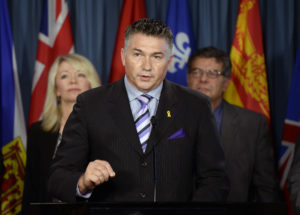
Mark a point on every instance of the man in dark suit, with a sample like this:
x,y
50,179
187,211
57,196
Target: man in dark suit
x,y
141,138
244,134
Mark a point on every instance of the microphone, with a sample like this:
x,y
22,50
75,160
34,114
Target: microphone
x,y
153,121
154,124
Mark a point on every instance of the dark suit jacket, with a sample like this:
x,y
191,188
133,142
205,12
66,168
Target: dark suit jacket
x,y
249,155
40,149
101,126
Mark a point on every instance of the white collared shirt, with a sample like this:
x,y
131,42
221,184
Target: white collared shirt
x,y
133,93
135,105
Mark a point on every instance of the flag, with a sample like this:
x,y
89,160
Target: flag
x,y
248,87
290,130
132,10
55,39
179,21
13,131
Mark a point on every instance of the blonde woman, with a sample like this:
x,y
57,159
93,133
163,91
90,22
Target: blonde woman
x,y
69,76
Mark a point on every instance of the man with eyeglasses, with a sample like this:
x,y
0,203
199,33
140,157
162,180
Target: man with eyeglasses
x,y
244,134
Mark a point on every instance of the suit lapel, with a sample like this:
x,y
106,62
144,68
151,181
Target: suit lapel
x,y
121,114
229,128
165,115
120,111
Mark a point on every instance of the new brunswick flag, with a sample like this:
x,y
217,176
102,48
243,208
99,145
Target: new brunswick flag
x,y
248,87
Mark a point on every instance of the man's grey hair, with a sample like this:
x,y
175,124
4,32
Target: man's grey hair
x,y
150,27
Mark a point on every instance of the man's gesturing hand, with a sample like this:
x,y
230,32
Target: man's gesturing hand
x,y
96,173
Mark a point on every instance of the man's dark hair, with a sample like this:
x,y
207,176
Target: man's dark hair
x,y
212,52
150,27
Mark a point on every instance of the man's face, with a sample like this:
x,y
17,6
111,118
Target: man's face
x,y
212,87
146,61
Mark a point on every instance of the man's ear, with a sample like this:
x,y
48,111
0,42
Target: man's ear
x,y
123,56
188,79
170,61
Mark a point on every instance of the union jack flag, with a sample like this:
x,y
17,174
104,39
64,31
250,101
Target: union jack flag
x,y
290,131
287,148
55,39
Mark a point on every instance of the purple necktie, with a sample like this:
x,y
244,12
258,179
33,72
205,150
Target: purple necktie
x,y
142,120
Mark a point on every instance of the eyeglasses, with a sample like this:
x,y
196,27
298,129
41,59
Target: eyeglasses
x,y
212,73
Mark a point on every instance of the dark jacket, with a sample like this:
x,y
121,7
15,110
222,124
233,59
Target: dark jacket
x,y
188,166
40,149
249,154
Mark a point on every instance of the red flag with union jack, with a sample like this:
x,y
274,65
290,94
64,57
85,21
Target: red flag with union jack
x,y
132,10
291,131
55,39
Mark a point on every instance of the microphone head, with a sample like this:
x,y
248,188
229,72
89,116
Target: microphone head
x,y
153,121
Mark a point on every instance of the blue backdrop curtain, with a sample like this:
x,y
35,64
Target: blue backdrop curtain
x,y
95,25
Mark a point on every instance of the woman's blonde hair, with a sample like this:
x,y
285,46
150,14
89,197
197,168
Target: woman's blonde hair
x,y
52,113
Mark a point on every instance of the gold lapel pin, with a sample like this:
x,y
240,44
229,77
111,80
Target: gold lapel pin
x,y
168,114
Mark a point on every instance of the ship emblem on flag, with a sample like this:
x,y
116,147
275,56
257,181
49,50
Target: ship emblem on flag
x,y
248,87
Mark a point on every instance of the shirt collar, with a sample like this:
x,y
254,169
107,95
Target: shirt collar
x,y
218,112
133,93
219,108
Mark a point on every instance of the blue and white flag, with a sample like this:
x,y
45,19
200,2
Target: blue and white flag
x,y
179,21
13,132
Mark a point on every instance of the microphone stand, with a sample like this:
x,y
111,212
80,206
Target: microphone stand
x,y
153,122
